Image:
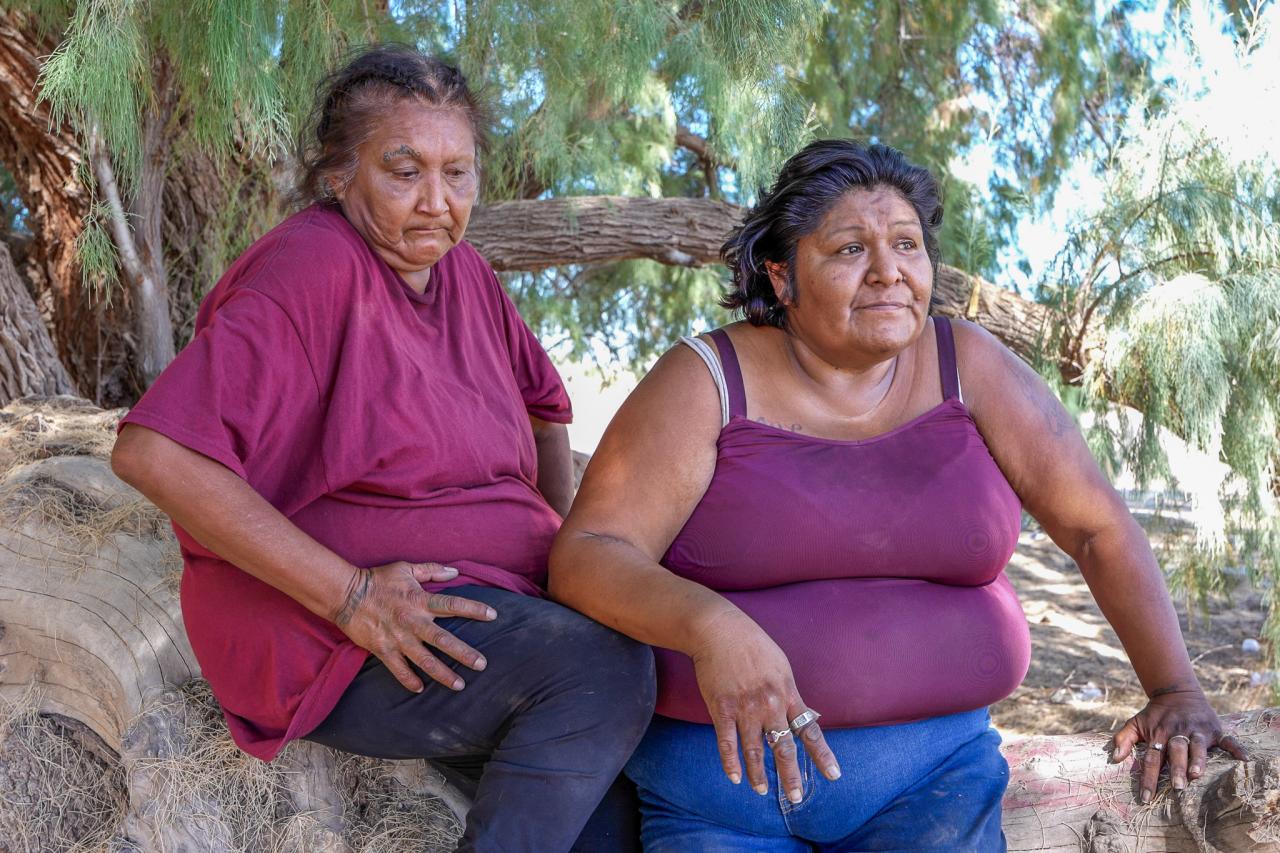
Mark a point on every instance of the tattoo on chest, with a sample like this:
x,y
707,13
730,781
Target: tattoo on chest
x,y
791,427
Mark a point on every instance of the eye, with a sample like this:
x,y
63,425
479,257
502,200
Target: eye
x,y
906,245
406,174
851,249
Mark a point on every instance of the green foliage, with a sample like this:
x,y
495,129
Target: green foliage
x,y
1180,265
1032,85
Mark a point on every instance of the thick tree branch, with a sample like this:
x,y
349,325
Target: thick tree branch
x,y
534,235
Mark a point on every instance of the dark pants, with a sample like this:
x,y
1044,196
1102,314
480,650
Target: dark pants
x,y
538,738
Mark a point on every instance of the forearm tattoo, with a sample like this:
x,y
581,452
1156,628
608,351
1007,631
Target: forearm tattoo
x,y
1056,420
357,589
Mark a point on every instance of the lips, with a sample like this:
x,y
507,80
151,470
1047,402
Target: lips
x,y
882,306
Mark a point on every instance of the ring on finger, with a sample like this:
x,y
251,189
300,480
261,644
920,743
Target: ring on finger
x,y
772,736
1157,746
1179,737
808,716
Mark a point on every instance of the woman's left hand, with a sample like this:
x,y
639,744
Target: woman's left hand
x,y
1179,728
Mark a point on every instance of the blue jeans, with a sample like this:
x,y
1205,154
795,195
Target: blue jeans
x,y
932,785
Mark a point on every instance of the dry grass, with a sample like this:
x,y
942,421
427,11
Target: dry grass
x,y
55,794
243,804
42,428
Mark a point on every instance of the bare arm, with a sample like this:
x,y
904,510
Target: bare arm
x,y
1044,457
555,464
651,469
382,609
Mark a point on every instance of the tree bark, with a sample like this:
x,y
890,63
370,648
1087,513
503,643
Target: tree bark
x,y
44,159
28,362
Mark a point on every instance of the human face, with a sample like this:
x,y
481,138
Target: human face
x,y
862,279
414,186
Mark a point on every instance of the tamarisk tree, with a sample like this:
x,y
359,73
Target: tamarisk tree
x,y
148,142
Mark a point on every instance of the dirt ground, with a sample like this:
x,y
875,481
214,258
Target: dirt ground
x,y
1073,649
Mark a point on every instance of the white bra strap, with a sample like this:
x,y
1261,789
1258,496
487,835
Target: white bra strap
x,y
717,374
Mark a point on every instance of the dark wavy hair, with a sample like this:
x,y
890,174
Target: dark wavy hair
x,y
351,101
808,186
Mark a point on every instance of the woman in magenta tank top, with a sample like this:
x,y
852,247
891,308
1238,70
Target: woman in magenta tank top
x,y
809,514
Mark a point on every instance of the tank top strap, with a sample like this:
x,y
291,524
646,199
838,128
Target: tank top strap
x,y
732,373
947,368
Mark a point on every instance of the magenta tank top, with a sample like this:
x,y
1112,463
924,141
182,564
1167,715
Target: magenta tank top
x,y
877,565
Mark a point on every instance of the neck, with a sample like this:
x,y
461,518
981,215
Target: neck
x,y
417,280
859,385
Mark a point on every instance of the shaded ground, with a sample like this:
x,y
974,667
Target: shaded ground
x,y
1073,648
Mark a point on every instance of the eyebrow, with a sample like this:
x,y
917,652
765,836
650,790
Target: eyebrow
x,y
402,151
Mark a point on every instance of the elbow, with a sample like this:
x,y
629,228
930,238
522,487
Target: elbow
x,y
133,457
125,460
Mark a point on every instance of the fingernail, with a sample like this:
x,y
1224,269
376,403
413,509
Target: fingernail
x,y
480,663
735,778
761,789
833,772
450,570
1146,797
795,795
491,613
1196,769
1179,785
458,684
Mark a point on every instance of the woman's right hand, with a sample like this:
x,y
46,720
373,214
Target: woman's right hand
x,y
387,612
747,684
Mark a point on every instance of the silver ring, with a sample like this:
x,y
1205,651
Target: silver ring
x,y
804,719
1157,746
772,736
1180,737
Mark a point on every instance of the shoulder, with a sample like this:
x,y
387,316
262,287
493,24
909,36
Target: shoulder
x,y
980,356
473,274
995,379
679,382
308,262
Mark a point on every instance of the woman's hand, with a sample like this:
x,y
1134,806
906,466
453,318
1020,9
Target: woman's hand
x,y
747,684
1179,728
387,612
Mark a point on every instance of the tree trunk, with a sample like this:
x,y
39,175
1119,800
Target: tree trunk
x,y
89,614
171,235
44,160
28,363
1065,795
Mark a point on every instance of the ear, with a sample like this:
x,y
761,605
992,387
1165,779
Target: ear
x,y
778,278
336,188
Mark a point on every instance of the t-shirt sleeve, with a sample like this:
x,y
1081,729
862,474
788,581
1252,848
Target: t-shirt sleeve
x,y
243,393
544,393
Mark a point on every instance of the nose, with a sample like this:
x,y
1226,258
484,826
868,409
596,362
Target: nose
x,y
882,267
431,201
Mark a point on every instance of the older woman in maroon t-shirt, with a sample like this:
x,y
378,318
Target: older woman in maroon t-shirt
x,y
810,512
361,421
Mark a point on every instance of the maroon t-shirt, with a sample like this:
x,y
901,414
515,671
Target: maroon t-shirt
x,y
388,425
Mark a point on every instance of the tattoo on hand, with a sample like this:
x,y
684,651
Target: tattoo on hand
x,y
1165,691
357,589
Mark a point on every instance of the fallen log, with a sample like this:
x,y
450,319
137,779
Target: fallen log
x,y
91,641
